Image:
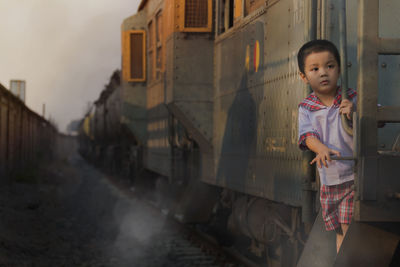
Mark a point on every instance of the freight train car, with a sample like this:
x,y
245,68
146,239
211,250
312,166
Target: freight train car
x,y
208,103
24,135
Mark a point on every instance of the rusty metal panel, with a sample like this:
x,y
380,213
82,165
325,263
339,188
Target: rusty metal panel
x,y
255,110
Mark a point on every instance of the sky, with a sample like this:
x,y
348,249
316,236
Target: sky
x,y
65,50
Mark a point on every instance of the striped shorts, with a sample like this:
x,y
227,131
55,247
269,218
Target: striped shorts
x,y
337,204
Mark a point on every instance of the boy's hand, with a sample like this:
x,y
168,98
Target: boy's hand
x,y
324,155
346,107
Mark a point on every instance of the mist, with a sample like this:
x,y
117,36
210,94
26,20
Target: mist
x,y
65,50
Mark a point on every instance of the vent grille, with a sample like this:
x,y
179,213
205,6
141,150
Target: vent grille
x,y
196,13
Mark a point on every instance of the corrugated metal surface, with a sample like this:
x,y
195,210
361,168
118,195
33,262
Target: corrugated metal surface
x,y
17,147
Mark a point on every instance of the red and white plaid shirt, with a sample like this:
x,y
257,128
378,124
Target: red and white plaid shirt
x,y
324,123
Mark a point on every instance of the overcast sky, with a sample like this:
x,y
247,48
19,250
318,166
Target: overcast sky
x,y
66,50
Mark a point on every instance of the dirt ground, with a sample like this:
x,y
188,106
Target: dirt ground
x,y
68,214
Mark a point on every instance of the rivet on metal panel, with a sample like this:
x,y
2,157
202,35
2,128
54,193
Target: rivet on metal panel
x,y
331,6
349,64
384,65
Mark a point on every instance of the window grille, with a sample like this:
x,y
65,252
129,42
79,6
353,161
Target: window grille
x,y
196,15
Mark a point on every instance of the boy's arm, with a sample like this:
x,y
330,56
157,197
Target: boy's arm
x,y
309,139
322,151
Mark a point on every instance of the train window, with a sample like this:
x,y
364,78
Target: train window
x,y
133,55
197,16
225,21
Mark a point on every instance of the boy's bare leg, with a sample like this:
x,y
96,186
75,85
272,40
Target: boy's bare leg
x,y
340,236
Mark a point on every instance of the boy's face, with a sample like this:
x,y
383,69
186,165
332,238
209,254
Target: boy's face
x,y
321,71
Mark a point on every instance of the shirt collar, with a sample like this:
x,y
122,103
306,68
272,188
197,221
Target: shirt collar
x,y
313,103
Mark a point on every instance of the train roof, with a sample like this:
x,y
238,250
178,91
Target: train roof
x,y
109,88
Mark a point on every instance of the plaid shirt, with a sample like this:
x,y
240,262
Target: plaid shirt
x,y
324,123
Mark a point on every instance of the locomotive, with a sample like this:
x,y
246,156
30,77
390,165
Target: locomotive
x,y
206,101
25,136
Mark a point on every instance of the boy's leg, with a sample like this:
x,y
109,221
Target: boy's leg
x,y
340,235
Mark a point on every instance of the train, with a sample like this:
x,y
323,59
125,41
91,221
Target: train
x,y
25,136
206,101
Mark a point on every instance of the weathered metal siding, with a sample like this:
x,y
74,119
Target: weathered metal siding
x,y
157,154
133,95
389,68
255,109
17,148
189,84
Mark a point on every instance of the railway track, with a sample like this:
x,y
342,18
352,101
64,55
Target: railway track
x,y
185,245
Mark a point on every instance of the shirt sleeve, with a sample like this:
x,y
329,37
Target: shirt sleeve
x,y
305,128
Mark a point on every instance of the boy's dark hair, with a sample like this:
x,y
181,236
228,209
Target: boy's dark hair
x,y
316,46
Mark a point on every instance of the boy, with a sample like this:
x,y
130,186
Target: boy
x,y
321,131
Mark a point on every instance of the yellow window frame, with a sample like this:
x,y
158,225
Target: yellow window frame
x,y
126,56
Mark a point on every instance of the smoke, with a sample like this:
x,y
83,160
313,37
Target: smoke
x,y
66,50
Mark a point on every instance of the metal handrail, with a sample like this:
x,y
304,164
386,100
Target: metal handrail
x,y
343,59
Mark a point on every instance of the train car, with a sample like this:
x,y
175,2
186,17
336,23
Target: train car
x,y
25,136
208,102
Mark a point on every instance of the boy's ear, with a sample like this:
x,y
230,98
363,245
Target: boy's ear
x,y
303,77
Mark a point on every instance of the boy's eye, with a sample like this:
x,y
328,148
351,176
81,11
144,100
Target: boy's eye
x,y
314,69
331,66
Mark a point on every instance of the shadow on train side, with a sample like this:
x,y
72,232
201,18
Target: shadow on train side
x,y
239,141
245,71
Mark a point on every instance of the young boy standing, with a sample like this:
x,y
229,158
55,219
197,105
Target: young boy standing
x,y
321,131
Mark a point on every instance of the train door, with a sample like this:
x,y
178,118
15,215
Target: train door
x,y
375,230
373,62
